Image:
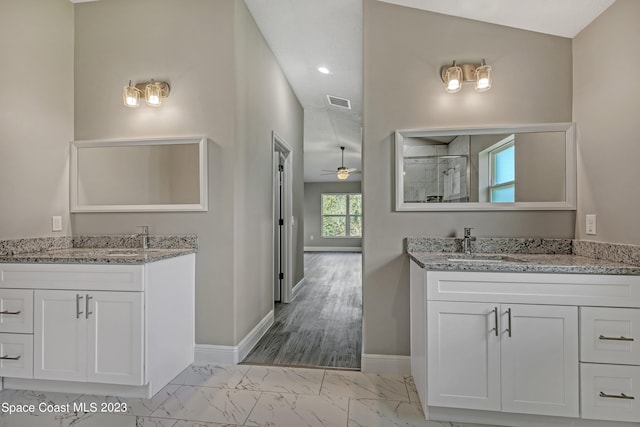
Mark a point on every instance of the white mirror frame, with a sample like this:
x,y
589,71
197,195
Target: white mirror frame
x,y
570,168
75,207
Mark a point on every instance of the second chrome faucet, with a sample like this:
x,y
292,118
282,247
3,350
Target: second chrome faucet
x,y
145,236
466,240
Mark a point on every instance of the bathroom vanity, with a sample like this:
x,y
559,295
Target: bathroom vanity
x,y
98,321
525,339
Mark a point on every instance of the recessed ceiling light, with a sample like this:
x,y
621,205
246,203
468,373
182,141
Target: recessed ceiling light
x,y
324,70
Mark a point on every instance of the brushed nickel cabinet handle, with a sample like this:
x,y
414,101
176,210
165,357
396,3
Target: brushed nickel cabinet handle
x,y
509,322
13,313
10,358
602,337
78,312
86,306
616,396
495,318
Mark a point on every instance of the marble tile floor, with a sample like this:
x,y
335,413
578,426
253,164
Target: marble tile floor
x,y
236,395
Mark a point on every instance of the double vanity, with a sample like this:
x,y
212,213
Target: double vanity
x,y
116,321
528,335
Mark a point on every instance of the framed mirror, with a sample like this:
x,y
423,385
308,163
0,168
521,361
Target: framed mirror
x,y
141,175
525,167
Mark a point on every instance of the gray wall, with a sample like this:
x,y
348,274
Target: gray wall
x,y
403,54
201,48
313,215
36,115
606,108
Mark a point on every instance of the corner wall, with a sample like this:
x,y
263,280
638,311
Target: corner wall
x,y
266,103
606,108
36,116
404,50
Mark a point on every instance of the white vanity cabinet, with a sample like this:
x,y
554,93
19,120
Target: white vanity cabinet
x,y
503,357
119,329
89,336
526,349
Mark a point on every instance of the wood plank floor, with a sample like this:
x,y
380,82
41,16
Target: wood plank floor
x,y
322,327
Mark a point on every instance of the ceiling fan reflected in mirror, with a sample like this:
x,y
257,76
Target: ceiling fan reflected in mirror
x,y
342,172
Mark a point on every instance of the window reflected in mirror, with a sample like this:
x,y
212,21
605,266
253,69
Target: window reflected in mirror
x,y
530,167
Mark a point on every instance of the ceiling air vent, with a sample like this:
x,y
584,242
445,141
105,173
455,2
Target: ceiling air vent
x,y
339,102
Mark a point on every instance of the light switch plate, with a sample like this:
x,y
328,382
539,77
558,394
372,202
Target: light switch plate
x,y
56,223
591,224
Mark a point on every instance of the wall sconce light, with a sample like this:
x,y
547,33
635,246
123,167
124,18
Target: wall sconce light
x,y
453,76
153,93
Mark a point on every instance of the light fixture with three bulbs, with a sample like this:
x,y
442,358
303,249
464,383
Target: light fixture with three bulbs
x,y
454,75
153,93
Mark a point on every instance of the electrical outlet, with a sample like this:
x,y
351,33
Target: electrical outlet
x,y
591,224
56,223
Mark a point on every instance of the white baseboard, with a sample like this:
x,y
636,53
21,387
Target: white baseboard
x,y
296,289
333,249
229,354
386,364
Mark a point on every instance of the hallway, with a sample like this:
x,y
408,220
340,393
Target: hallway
x,y
322,327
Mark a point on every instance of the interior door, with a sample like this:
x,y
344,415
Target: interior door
x,y
279,224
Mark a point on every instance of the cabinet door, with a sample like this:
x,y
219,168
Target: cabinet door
x,y
540,359
463,354
115,339
59,336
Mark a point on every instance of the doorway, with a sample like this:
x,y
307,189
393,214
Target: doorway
x,y
282,220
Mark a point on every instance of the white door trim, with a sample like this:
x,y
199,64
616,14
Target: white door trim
x,y
280,145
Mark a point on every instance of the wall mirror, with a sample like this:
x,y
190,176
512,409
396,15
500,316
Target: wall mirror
x,y
526,167
142,175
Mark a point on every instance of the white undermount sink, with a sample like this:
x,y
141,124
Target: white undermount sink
x,y
483,258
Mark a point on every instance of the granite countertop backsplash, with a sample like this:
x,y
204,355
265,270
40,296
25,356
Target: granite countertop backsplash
x,y
108,249
525,255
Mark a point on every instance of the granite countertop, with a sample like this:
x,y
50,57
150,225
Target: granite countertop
x,y
95,256
522,263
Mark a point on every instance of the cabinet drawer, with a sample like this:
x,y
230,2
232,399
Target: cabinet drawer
x,y
610,392
16,310
610,335
16,355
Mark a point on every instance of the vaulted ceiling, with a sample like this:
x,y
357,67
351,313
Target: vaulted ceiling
x,y
307,34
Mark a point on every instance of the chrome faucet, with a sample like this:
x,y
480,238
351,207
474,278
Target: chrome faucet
x,y
466,240
145,236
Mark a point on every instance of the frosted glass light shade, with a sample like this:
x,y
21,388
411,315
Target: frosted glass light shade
x,y
153,95
483,78
453,79
342,174
131,96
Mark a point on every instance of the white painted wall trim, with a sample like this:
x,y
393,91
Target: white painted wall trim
x,y
333,249
232,355
386,364
296,289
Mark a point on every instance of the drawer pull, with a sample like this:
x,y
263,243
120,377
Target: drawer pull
x,y
13,313
602,337
10,358
616,396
